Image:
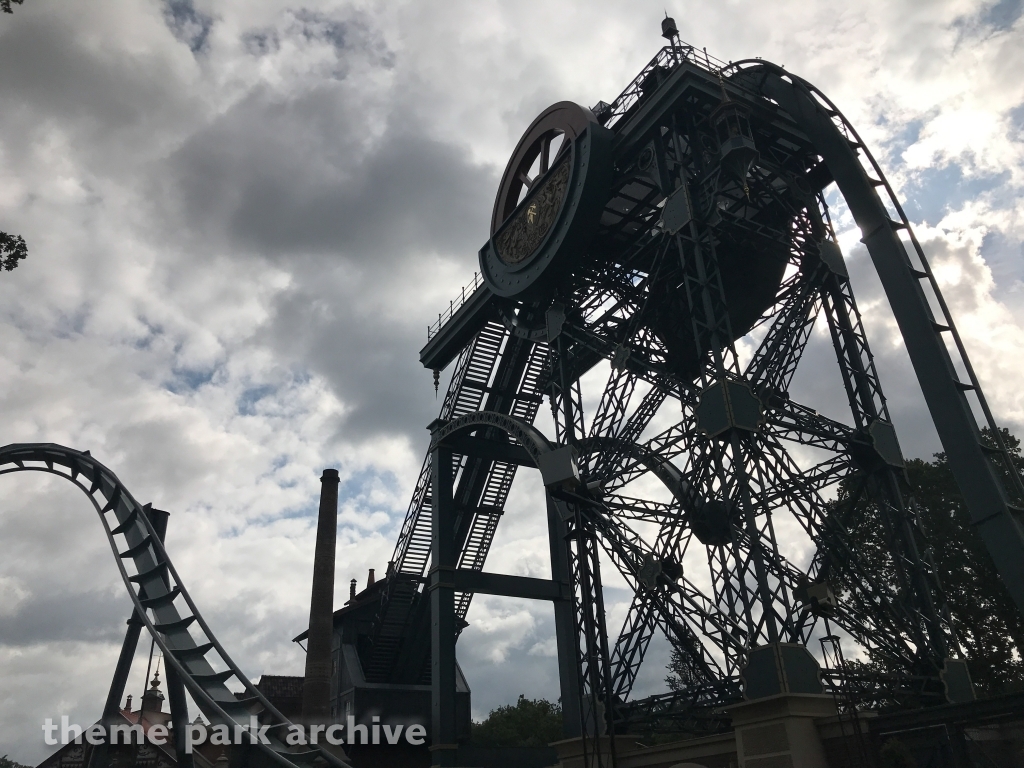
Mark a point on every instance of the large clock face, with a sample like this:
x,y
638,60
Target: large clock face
x,y
543,144
533,219
549,201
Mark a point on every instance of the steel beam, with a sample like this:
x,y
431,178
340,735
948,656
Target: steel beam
x,y
565,640
987,501
524,587
491,450
444,746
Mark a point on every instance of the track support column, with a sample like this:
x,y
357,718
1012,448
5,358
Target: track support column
x,y
175,687
568,674
99,755
444,744
993,516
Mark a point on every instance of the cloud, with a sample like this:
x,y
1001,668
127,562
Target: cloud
x,y
241,215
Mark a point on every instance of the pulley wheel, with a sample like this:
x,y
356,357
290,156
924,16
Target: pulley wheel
x,y
544,140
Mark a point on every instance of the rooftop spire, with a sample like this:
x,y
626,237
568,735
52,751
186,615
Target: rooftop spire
x,y
155,684
153,699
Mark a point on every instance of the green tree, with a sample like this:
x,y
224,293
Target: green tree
x,y
5,6
894,754
529,723
12,248
984,616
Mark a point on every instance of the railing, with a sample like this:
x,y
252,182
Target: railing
x,y
668,57
454,305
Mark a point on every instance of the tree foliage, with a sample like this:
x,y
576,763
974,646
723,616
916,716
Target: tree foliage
x,y
987,623
528,723
12,248
986,619
5,6
894,754
984,616
6,762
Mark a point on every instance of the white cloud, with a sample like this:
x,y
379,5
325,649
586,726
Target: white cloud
x,y
234,253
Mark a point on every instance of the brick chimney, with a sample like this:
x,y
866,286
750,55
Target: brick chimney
x,y
316,687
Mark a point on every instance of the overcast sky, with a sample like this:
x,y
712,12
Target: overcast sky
x,y
242,215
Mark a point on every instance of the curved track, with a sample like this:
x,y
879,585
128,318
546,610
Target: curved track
x,y
163,602
912,290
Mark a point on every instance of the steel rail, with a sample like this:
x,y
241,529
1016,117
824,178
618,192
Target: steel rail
x,y
846,126
151,560
995,511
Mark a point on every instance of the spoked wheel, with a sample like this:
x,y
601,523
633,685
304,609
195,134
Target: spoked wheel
x,y
543,141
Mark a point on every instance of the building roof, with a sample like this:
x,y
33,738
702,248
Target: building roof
x,y
280,686
369,595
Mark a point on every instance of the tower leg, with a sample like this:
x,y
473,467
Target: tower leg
x,y
568,674
175,688
444,746
179,715
99,756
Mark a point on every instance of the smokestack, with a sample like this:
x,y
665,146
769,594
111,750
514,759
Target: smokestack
x,y
369,579
352,590
316,687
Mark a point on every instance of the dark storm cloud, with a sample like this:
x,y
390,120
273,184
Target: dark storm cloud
x,y
189,25
370,360
286,178
281,176
66,615
297,178
56,79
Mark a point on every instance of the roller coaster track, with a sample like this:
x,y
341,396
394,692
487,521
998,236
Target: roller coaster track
x,y
163,603
996,505
922,271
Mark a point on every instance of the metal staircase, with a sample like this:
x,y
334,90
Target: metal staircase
x,y
496,372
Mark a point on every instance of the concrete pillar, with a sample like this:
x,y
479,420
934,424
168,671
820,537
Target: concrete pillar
x,y
780,731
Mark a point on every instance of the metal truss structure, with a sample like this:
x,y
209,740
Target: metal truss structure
x,y
711,491
194,658
677,240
